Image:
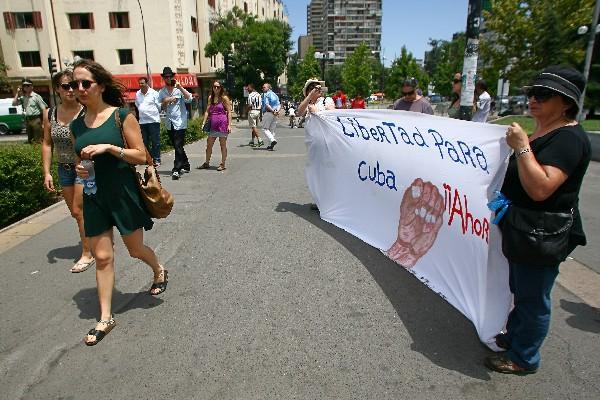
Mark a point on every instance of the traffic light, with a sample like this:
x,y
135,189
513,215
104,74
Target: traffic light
x,y
52,65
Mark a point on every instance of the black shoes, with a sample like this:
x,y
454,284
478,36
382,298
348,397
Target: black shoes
x,y
175,176
272,145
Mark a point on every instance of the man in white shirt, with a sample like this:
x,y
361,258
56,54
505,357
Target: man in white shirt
x,y
254,106
146,101
484,102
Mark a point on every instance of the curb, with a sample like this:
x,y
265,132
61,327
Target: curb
x,y
32,216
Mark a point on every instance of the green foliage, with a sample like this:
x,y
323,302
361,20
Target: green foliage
x,y
333,77
531,35
21,182
307,68
380,76
444,60
403,67
357,72
261,47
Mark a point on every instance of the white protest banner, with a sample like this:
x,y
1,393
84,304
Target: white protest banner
x,y
416,186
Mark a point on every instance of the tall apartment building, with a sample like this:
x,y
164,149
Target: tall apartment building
x,y
339,26
112,33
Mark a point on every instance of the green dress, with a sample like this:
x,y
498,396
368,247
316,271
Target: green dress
x,y
117,201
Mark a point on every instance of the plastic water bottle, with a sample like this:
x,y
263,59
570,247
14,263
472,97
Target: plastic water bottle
x,y
89,183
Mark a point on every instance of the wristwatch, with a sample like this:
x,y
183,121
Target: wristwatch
x,y
524,150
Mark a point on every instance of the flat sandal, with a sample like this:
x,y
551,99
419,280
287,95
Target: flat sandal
x,y
99,334
161,286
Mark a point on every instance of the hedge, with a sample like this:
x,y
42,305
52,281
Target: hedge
x,y
22,190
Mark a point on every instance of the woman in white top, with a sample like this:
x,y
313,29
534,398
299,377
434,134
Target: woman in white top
x,y
313,98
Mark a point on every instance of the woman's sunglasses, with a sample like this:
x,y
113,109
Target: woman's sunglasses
x,y
217,87
408,93
85,83
541,94
65,86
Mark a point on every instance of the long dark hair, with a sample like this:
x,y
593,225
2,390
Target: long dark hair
x,y
113,89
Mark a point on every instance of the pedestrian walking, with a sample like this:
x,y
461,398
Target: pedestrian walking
x,y
542,182
173,98
270,112
254,107
111,196
411,100
218,117
148,105
58,139
292,115
483,102
33,107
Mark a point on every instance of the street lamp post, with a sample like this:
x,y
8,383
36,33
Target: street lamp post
x,y
469,72
330,55
588,55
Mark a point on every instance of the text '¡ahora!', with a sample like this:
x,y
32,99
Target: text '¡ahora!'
x,y
388,132
457,206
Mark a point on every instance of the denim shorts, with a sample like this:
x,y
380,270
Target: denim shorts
x,y
67,175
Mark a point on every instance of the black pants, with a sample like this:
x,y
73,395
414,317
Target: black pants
x,y
177,137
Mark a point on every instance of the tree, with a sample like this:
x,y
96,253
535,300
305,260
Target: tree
x,y
307,68
403,67
530,35
443,60
333,77
357,72
259,47
380,75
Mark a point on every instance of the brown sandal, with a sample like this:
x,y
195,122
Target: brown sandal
x,y
221,167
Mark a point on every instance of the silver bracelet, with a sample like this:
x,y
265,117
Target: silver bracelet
x,y
524,150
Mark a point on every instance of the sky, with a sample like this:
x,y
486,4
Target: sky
x,y
409,23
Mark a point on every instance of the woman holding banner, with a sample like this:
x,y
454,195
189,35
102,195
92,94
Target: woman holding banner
x,y
541,186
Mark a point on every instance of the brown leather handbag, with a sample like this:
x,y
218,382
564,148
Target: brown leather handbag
x,y
158,201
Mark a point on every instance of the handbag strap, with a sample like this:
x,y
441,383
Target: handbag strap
x,y
149,160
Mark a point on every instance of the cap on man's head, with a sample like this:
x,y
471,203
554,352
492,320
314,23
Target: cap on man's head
x,y
563,79
26,81
167,71
412,82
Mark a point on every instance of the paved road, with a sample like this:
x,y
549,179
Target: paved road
x,y
266,301
13,138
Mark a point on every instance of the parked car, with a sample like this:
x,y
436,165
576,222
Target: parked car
x,y
11,117
518,104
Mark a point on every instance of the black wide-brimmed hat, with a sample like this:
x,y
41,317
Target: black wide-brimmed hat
x,y
167,71
563,79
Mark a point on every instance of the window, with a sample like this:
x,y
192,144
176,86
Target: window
x,y
194,25
125,56
118,19
87,54
23,20
30,59
81,21
246,7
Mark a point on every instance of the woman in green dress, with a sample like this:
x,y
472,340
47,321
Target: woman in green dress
x,y
115,200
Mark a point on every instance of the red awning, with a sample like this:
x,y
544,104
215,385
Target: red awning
x,y
131,80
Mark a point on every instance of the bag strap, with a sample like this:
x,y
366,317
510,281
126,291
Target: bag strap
x,y
149,160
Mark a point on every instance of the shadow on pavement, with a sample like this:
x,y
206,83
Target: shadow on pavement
x,y
64,253
438,331
87,302
585,317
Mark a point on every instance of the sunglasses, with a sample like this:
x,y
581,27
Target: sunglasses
x,y
85,83
541,94
65,86
408,93
217,87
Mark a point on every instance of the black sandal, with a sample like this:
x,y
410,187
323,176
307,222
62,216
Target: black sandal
x,y
161,286
98,334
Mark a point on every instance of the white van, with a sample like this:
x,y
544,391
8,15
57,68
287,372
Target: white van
x,y
11,117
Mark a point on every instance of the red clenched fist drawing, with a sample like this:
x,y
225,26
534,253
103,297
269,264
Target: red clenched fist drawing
x,y
420,221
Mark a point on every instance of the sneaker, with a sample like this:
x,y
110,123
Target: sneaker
x,y
157,164
260,143
272,145
175,175
185,170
